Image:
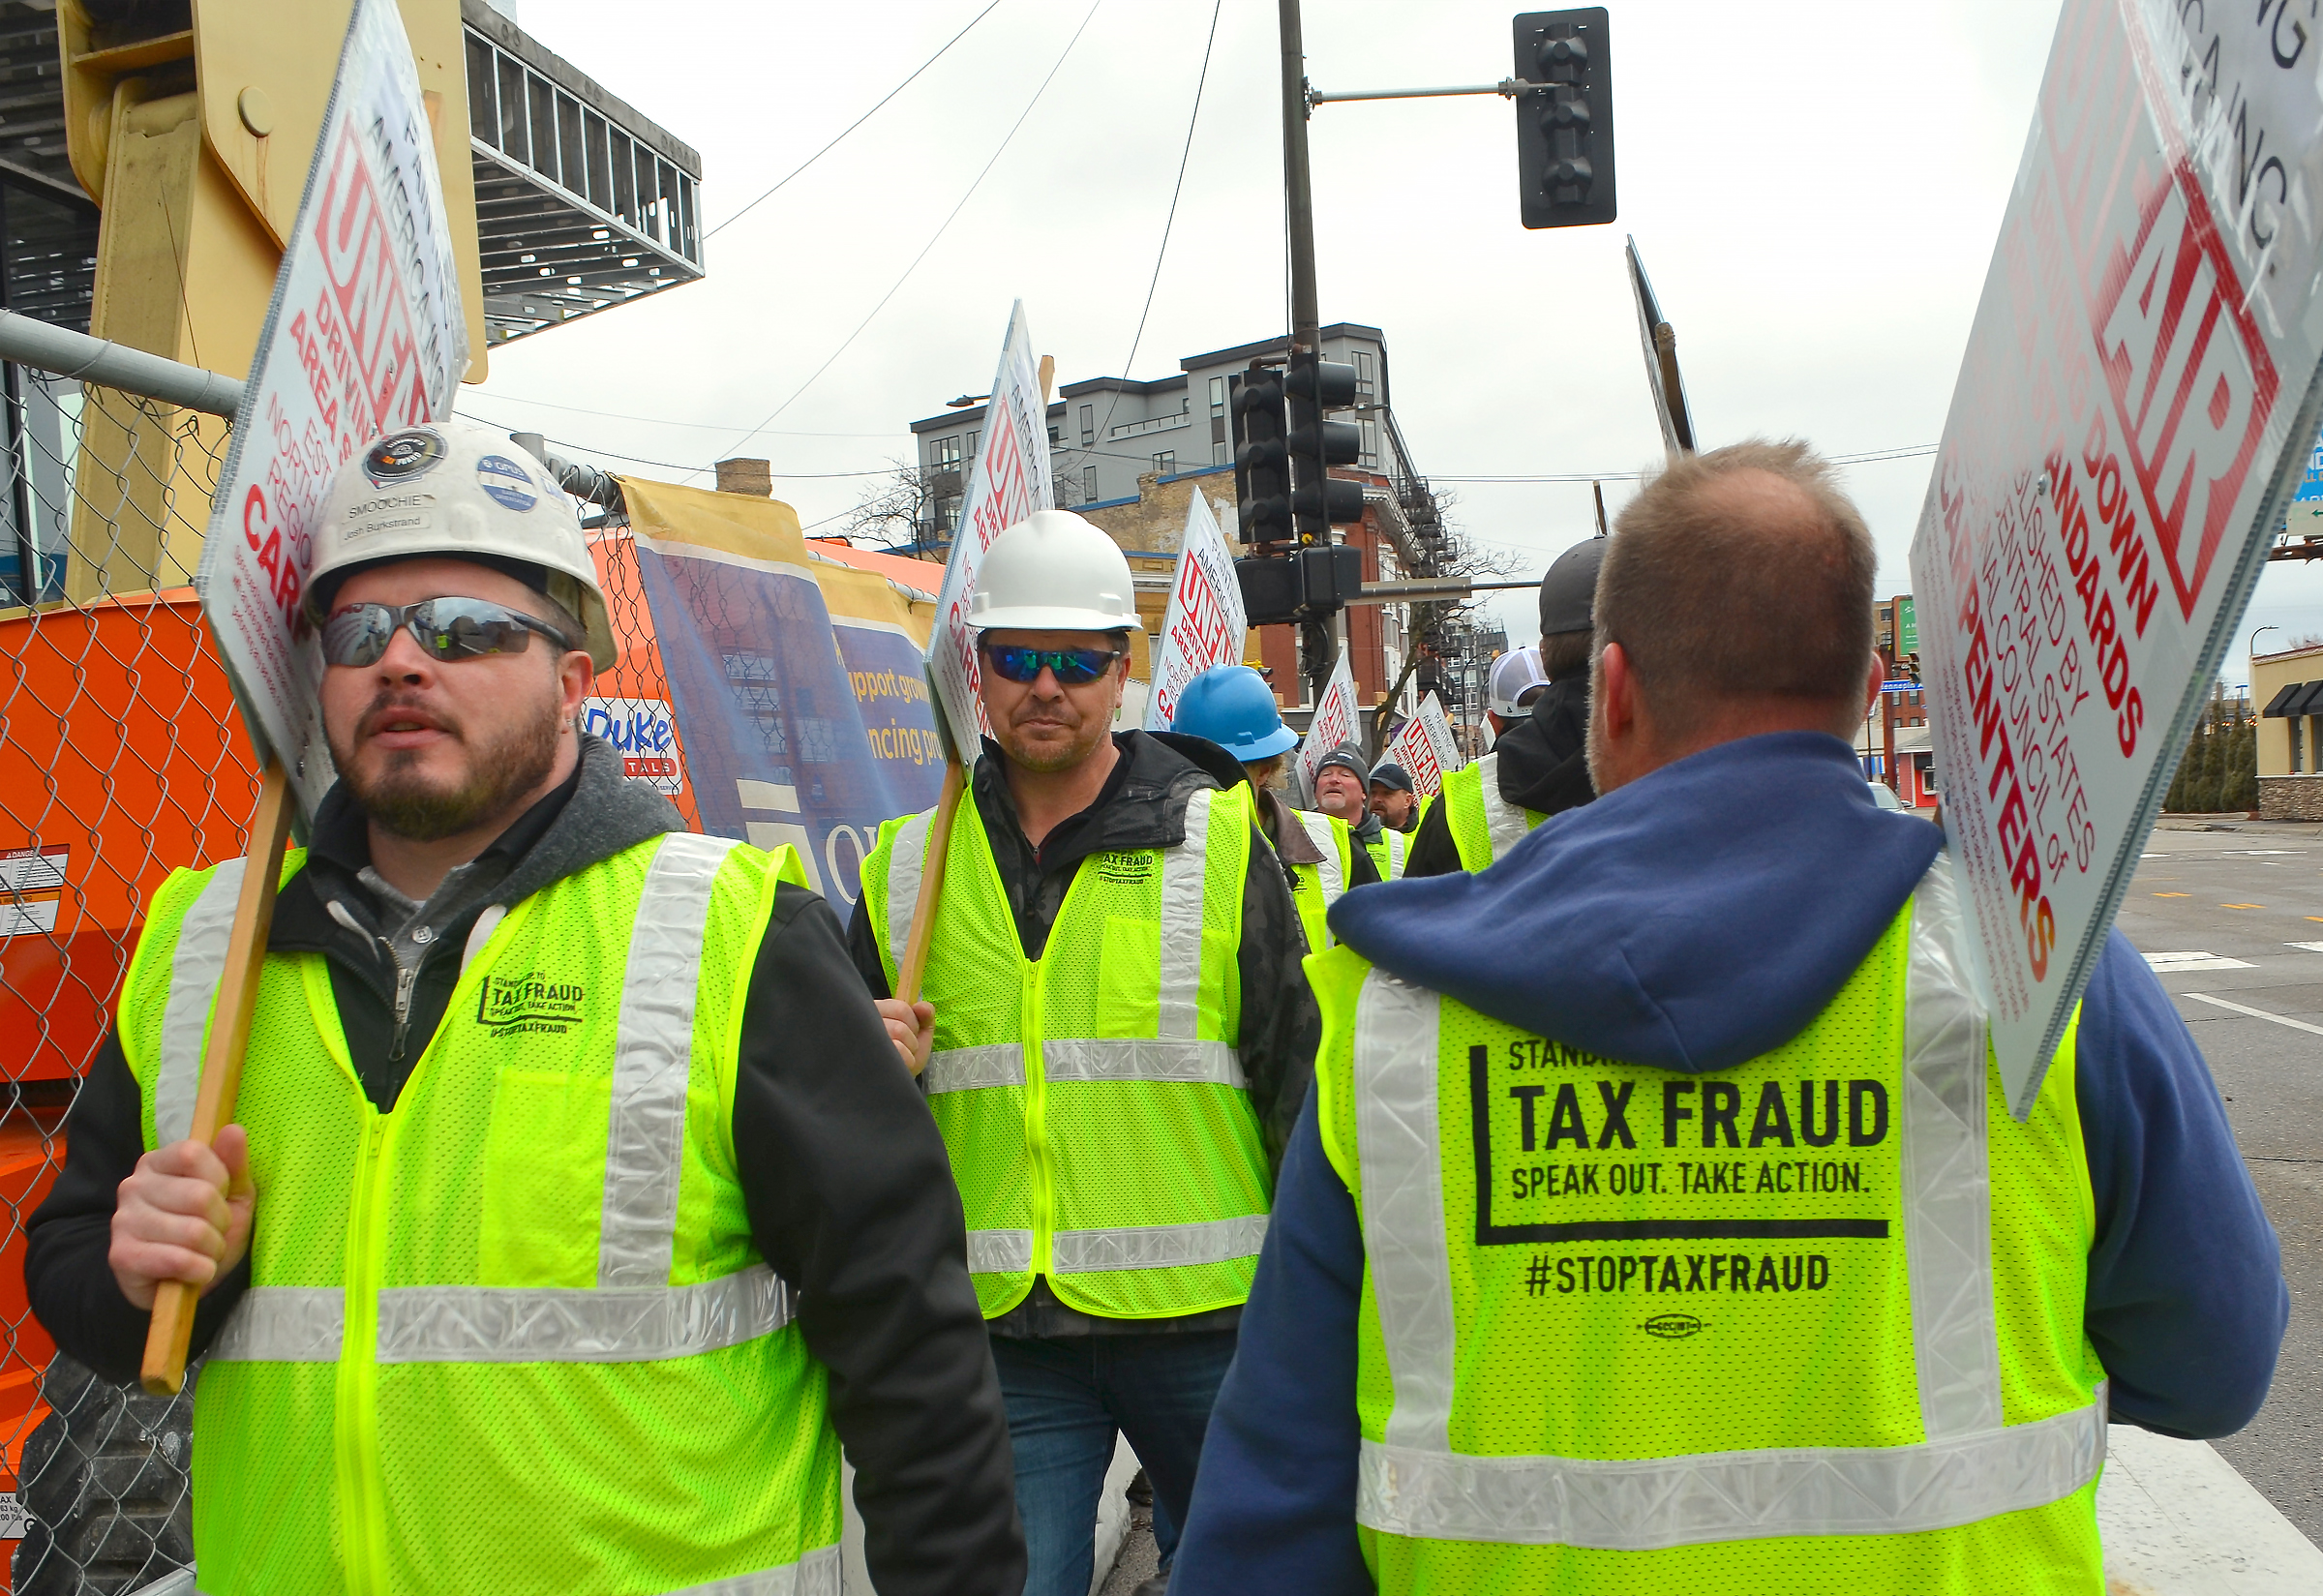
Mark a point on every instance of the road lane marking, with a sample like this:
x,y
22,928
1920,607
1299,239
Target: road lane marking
x,y
2189,895
2241,906
2195,959
2309,947
2255,1014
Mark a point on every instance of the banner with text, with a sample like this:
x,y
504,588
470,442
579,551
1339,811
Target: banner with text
x,y
365,333
1008,481
2132,411
1205,624
1333,722
1424,745
796,684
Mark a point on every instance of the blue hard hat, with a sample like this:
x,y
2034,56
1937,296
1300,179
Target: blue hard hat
x,y
1233,707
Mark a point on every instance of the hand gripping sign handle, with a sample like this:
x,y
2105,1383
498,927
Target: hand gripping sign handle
x,y
174,1302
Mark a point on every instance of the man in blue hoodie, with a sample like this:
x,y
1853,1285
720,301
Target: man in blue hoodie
x,y
1657,1223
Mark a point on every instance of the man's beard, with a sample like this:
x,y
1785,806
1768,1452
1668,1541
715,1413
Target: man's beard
x,y
403,803
1048,758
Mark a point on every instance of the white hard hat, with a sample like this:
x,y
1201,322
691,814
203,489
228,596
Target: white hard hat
x,y
1054,572
457,490
1514,674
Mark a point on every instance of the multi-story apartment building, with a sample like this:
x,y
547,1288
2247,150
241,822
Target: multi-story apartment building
x,y
1124,451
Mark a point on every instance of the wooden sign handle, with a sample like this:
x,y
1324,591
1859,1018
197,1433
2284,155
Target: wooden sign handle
x,y
174,1302
931,883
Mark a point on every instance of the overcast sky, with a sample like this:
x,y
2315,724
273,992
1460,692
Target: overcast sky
x,y
1815,189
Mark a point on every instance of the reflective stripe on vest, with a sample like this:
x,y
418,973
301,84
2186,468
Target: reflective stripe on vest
x,y
1392,842
1971,1468
194,978
1504,823
817,1574
1176,1054
633,1315
1330,872
1133,1247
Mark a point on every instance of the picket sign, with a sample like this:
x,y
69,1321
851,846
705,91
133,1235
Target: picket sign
x,y
1205,624
365,332
1424,745
1009,482
1333,723
2132,412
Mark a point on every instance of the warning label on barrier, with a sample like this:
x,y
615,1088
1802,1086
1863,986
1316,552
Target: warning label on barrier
x,y
365,333
2131,417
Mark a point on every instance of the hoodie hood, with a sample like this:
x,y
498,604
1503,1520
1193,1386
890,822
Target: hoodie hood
x,y
1692,919
1543,759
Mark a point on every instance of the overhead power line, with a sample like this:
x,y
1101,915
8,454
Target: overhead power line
x,y
857,123
1172,220
931,242
1871,456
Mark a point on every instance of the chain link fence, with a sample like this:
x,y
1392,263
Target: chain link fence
x,y
121,759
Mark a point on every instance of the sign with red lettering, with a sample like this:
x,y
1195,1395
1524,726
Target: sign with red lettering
x,y
365,333
1009,481
2131,417
1204,626
1333,722
1424,745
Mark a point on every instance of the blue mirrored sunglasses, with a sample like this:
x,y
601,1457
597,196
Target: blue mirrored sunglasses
x,y
1073,666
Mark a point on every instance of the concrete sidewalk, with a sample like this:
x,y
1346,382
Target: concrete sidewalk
x,y
2178,1520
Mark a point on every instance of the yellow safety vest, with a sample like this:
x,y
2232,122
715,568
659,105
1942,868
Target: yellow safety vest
x,y
1484,825
1091,1098
1387,854
1316,887
513,1335
1810,1324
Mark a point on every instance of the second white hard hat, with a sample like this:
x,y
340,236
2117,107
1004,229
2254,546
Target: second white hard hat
x,y
457,490
1054,572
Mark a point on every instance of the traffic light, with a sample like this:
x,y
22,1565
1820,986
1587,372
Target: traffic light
x,y
1565,130
1319,501
1261,460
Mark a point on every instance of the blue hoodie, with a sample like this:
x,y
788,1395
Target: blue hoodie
x,y
1692,921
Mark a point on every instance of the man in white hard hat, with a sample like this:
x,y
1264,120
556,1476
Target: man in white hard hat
x,y
1539,766
1116,1037
576,1211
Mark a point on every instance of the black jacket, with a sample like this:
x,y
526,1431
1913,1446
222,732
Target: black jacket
x,y
1143,805
1544,767
844,1176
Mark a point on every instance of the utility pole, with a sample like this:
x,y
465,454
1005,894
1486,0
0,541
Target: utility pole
x,y
1322,645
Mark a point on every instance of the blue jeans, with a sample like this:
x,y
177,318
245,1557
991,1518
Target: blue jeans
x,y
1066,1399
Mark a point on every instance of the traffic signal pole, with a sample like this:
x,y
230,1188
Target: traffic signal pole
x,y
1324,646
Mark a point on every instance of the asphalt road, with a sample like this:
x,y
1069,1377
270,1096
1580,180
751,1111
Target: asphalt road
x,y
2252,895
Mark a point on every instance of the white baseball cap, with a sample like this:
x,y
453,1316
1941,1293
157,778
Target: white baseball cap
x,y
1516,674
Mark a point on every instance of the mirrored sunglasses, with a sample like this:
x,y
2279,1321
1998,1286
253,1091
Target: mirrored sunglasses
x,y
449,629
1073,666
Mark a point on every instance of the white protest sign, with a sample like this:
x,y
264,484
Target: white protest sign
x,y
1425,746
1204,626
365,333
2132,411
1008,481
1333,721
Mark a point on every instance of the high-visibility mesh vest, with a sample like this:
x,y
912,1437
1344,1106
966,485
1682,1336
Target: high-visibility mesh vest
x,y
1810,1324
1387,853
1316,887
513,1335
1091,1098
1484,825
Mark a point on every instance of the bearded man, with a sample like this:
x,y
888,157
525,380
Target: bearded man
x,y
579,1209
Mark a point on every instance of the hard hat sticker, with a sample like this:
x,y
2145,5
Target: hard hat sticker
x,y
506,481
399,456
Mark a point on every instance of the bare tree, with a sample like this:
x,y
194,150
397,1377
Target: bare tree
x,y
899,506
